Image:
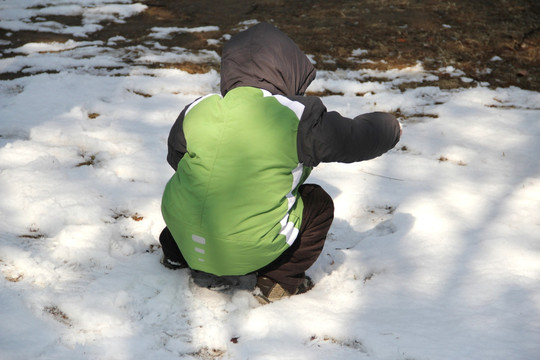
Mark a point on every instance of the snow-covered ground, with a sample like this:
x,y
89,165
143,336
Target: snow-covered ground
x,y
434,252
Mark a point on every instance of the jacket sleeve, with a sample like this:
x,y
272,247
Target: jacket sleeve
x,y
329,137
176,144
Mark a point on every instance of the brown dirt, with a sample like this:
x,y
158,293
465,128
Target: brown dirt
x,y
396,33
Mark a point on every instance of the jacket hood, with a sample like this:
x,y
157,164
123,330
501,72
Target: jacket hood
x,y
264,57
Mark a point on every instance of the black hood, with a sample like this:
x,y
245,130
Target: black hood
x,y
264,57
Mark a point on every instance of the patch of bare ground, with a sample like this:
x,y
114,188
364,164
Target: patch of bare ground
x,y
496,42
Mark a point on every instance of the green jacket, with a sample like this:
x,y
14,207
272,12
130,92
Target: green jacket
x,y
233,206
233,202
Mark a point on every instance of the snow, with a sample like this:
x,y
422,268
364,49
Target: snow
x,y
359,52
163,33
31,14
434,252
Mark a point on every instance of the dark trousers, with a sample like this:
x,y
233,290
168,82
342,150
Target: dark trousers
x,y
288,269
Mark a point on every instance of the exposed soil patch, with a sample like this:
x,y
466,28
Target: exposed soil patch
x,y
496,42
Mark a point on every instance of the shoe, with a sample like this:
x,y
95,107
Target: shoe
x,y
173,265
223,283
270,291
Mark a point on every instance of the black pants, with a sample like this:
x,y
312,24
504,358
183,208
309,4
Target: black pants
x,y
289,268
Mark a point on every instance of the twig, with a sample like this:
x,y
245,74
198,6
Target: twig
x,y
382,176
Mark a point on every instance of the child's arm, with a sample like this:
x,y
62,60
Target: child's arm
x,y
176,143
329,137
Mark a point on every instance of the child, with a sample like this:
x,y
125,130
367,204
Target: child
x,y
237,203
